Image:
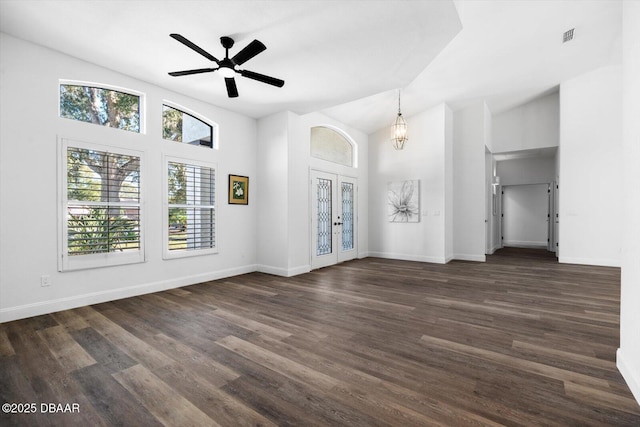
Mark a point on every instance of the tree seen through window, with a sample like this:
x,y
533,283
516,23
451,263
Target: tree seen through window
x,y
104,107
179,126
103,202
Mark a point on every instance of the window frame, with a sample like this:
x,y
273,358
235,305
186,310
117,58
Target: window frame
x,y
353,145
68,262
174,254
141,104
197,116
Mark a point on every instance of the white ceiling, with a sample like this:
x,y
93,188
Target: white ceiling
x,y
345,58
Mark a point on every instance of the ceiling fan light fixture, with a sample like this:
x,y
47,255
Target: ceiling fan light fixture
x,y
226,72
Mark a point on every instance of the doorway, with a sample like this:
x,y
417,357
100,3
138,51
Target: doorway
x,y
333,219
526,216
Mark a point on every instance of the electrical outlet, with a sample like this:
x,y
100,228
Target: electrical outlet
x,y
45,281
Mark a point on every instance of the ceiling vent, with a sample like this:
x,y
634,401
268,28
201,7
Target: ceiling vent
x,y
567,36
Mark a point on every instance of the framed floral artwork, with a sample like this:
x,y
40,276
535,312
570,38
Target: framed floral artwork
x,y
403,201
238,190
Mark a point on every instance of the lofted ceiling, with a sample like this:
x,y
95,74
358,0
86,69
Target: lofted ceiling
x,y
344,58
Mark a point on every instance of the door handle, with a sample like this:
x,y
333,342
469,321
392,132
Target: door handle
x,y
337,223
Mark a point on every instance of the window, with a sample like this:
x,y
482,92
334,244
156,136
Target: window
x,y
190,214
328,144
183,127
101,206
101,106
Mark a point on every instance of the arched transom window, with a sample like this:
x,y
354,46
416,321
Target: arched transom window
x,y
330,145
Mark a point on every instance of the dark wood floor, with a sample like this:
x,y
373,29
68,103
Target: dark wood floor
x,y
518,340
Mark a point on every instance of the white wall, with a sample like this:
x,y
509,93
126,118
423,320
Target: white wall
x,y
525,209
272,195
534,170
29,81
532,125
469,191
629,352
284,146
591,168
427,157
448,184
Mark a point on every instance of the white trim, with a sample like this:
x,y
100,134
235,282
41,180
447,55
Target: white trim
x,y
142,106
336,255
80,262
525,244
284,272
409,257
51,306
632,381
470,257
345,135
166,253
215,127
590,261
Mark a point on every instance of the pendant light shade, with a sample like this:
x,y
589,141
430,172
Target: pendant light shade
x,y
399,130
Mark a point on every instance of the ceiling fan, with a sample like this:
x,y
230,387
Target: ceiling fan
x,y
228,67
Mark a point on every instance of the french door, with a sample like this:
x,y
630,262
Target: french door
x,y
333,219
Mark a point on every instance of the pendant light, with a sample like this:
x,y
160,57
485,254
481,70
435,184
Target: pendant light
x,y
399,129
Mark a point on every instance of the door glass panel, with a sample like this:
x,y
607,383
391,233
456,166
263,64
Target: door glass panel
x,y
324,217
347,216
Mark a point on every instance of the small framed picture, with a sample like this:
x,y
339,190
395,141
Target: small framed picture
x,y
238,190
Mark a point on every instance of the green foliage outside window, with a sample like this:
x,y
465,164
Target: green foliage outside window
x,y
177,194
98,232
182,127
103,201
171,124
100,106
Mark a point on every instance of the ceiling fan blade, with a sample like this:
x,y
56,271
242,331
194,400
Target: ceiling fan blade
x,y
262,78
196,71
232,89
251,50
193,46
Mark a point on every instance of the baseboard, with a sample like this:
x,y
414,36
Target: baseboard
x,y
51,306
493,250
590,261
632,380
284,272
470,257
409,257
525,244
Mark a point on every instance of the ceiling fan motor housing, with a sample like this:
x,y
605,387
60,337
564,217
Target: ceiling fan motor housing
x,y
227,42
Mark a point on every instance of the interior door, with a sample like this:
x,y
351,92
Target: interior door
x,y
333,219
